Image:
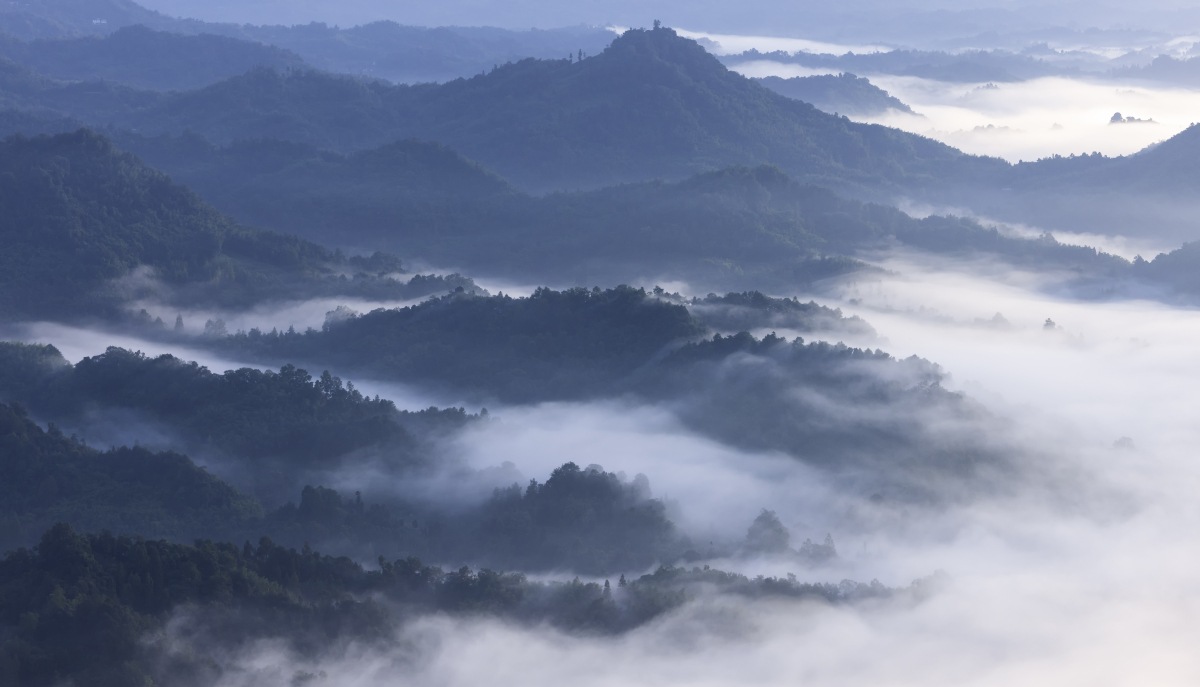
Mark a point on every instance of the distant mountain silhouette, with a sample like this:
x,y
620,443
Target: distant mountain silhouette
x,y
65,18
652,105
382,49
144,58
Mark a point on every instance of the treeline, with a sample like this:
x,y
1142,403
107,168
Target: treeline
x,y
46,477
274,430
552,344
93,609
579,519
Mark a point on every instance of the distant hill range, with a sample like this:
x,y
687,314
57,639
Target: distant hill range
x,y
382,49
140,57
652,105
735,228
837,94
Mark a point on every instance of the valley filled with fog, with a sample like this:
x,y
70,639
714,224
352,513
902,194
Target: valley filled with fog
x,y
753,350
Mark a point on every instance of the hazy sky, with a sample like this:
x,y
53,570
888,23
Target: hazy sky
x,y
856,17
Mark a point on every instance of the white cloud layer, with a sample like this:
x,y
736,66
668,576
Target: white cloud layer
x,y
1025,120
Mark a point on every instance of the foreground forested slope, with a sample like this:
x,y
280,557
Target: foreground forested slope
x,y
87,228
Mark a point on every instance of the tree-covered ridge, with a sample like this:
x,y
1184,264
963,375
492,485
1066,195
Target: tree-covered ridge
x,y
143,58
83,225
552,344
887,426
47,477
751,310
581,344
274,433
843,93
269,428
588,520
581,519
93,609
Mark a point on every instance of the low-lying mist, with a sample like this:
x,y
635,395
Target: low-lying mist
x,y
1091,581
1025,120
1086,575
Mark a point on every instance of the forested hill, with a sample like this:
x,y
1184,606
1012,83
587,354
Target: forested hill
x,y
78,218
551,345
652,105
144,58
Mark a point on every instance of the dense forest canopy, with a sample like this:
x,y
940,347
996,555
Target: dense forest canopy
x,y
79,605
585,520
552,344
257,425
49,477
